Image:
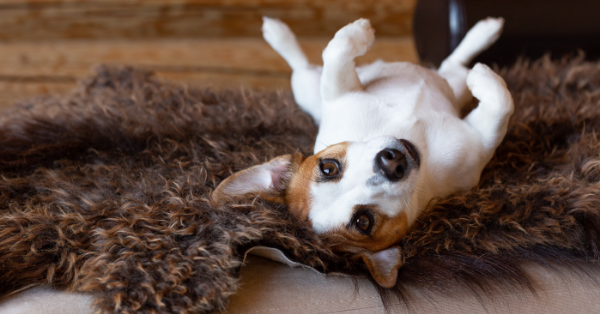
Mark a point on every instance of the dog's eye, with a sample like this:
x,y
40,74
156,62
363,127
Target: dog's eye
x,y
329,168
363,221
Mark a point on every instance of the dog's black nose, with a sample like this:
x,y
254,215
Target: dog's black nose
x,y
392,162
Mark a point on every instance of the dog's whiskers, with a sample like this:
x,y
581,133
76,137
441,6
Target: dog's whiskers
x,y
408,204
420,190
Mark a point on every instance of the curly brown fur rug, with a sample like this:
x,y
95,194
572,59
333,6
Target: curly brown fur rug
x,y
106,191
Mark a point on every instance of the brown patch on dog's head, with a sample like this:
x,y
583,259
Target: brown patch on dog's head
x,y
298,197
285,179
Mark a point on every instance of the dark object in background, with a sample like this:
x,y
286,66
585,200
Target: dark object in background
x,y
532,28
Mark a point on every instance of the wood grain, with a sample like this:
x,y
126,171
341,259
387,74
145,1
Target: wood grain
x,y
46,46
35,20
19,91
74,58
32,68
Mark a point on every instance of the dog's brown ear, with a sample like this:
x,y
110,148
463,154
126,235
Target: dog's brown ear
x,y
268,180
384,265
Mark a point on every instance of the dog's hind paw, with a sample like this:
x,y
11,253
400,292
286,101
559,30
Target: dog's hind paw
x,y
353,40
487,86
490,118
486,32
479,38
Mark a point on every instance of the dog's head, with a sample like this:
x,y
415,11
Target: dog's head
x,y
362,196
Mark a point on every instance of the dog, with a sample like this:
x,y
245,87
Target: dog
x,y
391,140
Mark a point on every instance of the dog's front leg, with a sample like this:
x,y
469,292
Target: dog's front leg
x,y
306,77
490,118
339,73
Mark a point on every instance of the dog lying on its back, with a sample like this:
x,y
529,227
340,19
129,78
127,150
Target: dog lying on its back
x,y
390,140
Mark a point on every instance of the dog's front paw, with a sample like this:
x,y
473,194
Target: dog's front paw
x,y
353,40
276,32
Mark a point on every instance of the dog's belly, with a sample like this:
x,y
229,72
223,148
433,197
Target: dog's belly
x,y
409,86
399,100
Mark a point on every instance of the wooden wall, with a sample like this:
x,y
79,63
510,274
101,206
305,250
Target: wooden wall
x,y
47,45
128,19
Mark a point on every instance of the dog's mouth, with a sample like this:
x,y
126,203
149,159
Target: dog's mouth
x,y
412,151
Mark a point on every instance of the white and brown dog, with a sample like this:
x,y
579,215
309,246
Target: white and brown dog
x,y
390,140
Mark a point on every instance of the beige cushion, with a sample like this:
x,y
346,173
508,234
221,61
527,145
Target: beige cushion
x,y
47,301
272,287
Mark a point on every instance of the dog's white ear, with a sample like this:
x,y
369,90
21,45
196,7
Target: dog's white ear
x,y
268,180
384,265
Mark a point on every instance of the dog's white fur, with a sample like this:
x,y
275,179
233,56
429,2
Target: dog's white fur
x,y
373,105
366,111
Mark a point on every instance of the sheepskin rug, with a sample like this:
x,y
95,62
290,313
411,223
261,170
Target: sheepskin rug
x,y
106,191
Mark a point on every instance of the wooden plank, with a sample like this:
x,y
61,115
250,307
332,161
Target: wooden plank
x,y
227,80
101,19
76,58
19,91
29,69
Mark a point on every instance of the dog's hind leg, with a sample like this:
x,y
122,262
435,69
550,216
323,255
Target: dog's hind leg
x,y
490,118
339,73
305,76
454,69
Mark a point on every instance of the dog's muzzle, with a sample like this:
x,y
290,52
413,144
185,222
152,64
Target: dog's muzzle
x,y
396,162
